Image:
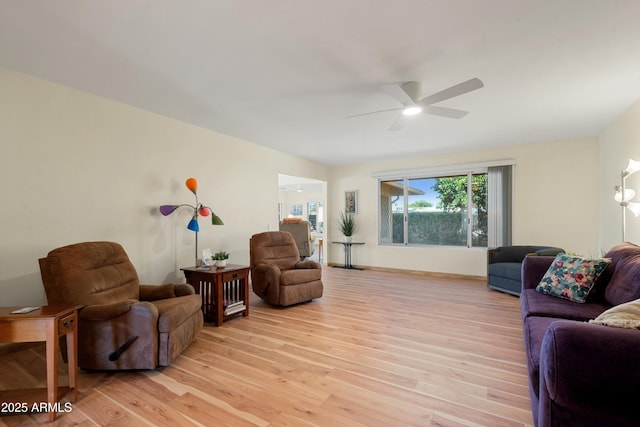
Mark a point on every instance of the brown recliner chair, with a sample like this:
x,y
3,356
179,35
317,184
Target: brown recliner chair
x,y
123,325
277,274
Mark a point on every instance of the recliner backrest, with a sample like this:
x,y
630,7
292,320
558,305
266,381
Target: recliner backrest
x,y
89,273
274,247
301,232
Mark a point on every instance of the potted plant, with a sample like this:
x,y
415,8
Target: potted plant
x,y
347,225
220,258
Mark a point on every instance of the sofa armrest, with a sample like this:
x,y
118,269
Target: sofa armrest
x,y
507,254
503,254
548,252
518,253
591,369
533,269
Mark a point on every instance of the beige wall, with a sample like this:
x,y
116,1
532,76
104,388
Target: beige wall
x,y
554,204
76,167
618,143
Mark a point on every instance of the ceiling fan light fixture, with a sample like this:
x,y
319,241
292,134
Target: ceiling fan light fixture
x,y
412,111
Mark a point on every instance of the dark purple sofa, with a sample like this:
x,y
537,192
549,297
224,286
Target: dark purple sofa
x,y
582,374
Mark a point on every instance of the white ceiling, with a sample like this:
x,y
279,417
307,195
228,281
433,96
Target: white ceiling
x,y
287,73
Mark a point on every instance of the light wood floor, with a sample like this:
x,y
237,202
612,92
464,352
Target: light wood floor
x,y
379,349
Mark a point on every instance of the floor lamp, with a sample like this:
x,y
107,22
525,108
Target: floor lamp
x,y
198,210
625,195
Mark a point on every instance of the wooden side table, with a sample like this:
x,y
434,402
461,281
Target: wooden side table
x,y
224,290
47,323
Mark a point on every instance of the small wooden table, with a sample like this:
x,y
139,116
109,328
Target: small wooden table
x,y
347,255
224,290
47,323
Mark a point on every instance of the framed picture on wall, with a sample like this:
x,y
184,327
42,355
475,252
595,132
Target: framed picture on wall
x,y
351,201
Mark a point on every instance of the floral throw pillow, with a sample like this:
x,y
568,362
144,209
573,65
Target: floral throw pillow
x,y
572,277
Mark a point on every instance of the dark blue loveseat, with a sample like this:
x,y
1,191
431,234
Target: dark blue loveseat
x,y
504,265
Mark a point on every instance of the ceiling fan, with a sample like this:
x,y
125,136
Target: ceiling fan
x,y
407,94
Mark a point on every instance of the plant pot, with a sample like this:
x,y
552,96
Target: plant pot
x,y
221,263
347,239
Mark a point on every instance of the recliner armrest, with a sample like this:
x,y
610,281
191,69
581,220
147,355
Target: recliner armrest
x,y
182,289
169,290
265,279
106,311
263,268
156,292
308,264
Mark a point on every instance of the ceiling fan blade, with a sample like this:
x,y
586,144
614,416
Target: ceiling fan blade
x,y
453,91
398,124
445,112
374,112
406,93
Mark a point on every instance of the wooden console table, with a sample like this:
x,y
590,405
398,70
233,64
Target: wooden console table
x,y
47,323
224,290
347,255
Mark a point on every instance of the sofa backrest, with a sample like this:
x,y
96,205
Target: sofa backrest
x,y
623,273
517,253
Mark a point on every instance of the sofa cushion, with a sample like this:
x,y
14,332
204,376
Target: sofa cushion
x,y
510,270
512,286
533,303
625,315
572,277
624,285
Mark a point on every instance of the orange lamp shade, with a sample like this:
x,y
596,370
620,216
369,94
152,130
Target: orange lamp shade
x,y
192,184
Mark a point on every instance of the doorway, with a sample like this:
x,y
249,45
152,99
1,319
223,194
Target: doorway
x,y
305,198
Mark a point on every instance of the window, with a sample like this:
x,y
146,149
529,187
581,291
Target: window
x,y
296,210
314,214
445,208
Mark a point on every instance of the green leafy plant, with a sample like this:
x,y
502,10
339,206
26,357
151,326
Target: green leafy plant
x,y
347,224
219,256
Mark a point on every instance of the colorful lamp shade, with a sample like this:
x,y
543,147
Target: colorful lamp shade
x,y
202,211
193,225
198,210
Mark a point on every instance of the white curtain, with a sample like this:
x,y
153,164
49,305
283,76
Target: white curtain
x,y
499,205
